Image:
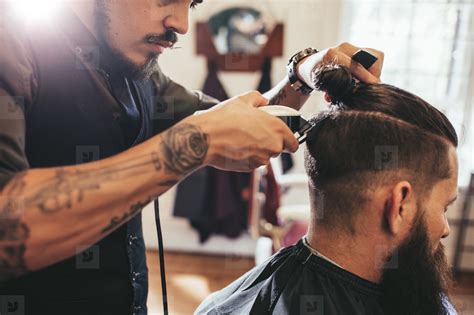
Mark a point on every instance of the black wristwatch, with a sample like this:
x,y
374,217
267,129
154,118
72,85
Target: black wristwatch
x,y
295,81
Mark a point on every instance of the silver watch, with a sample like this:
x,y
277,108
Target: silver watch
x,y
295,81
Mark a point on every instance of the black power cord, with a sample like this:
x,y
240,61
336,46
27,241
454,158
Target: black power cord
x,y
162,258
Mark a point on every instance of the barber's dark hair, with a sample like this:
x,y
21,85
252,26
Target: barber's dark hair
x,y
372,134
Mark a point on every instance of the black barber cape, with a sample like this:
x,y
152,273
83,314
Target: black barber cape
x,y
295,281
63,103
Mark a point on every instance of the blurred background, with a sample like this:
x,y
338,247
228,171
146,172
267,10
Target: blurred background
x,y
235,46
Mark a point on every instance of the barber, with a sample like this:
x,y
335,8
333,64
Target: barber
x,y
91,131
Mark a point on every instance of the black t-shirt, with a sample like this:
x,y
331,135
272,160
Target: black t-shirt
x,y
295,281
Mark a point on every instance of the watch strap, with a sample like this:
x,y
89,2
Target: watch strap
x,y
295,81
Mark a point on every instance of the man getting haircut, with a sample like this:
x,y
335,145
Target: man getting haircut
x,y
382,169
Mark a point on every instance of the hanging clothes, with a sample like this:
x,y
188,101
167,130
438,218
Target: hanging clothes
x,y
213,86
213,199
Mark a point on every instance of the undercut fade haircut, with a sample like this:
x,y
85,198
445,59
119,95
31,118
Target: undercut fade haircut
x,y
372,135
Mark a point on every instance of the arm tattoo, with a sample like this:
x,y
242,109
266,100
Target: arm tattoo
x,y
117,221
13,232
184,149
277,99
70,186
66,188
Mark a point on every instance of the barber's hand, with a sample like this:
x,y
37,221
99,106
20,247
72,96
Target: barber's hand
x,y
241,136
342,54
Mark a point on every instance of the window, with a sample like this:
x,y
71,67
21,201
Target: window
x,y
429,51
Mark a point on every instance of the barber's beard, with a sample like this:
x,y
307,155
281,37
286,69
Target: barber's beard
x,y
420,282
117,59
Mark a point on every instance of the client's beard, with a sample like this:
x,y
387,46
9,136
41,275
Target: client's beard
x,y
421,281
117,60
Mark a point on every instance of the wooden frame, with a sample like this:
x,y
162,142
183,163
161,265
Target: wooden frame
x,y
238,61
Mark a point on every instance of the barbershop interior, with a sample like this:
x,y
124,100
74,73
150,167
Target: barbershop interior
x,y
372,213
211,241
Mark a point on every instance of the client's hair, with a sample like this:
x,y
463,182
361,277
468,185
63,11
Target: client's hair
x,y
372,135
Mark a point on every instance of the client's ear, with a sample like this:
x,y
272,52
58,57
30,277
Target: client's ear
x,y
399,207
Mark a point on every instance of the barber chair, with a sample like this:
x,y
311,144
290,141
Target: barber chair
x,y
292,220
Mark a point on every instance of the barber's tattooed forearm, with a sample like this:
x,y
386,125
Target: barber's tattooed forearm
x,y
64,190
117,221
184,149
181,150
69,187
13,232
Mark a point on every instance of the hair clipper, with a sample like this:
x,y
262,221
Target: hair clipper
x,y
292,118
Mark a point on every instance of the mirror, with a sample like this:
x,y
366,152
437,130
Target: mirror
x,y
239,30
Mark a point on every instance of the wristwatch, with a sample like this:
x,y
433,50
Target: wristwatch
x,y
295,81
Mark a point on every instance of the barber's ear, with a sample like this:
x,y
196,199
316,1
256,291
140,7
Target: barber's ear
x,y
398,207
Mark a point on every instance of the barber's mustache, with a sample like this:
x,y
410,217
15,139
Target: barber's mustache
x,y
169,36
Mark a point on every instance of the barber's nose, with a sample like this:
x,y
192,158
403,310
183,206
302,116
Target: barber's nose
x,y
446,230
178,20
